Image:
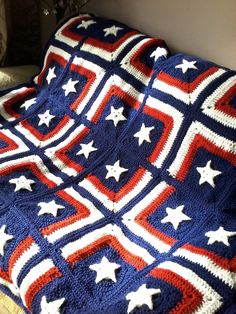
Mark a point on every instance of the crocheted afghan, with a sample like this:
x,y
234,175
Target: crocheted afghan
x,y
118,178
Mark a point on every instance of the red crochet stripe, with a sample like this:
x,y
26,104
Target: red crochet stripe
x,y
19,250
42,137
110,47
90,76
116,197
35,170
135,60
10,102
198,142
223,103
187,87
141,218
219,260
111,241
191,297
115,91
61,153
11,144
81,212
40,283
168,126
51,57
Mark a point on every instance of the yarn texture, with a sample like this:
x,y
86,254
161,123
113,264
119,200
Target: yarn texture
x,y
118,178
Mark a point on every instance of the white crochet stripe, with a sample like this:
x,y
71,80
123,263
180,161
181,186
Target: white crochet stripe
x,y
99,73
116,206
7,97
204,261
21,145
10,286
209,104
37,161
129,219
177,117
66,40
127,66
106,55
187,98
211,299
58,51
194,95
51,152
171,90
34,273
112,230
22,260
94,216
42,143
199,128
114,80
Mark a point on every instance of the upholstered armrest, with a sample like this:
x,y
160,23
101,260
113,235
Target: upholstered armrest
x,y
11,76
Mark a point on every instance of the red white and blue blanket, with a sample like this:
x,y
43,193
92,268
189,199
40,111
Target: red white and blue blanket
x,y
118,178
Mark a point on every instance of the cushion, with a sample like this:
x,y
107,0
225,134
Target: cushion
x,y
117,178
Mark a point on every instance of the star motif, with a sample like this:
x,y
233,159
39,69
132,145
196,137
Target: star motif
x,y
28,103
86,24
22,183
186,65
51,75
159,52
144,134
69,87
51,307
4,237
105,270
112,30
49,208
86,149
140,297
219,235
175,216
115,171
116,115
45,118
207,174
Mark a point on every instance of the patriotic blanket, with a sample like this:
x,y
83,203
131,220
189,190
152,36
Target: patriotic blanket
x,y
118,178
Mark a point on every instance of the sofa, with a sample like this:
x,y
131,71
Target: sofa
x,y
117,178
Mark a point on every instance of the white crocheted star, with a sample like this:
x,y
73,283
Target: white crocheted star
x,y
144,134
105,270
69,87
86,24
112,30
186,65
4,238
28,103
49,208
175,216
51,75
22,183
116,115
87,149
45,118
115,171
140,297
219,235
159,52
51,307
207,174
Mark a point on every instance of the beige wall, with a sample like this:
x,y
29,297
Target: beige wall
x,y
205,28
